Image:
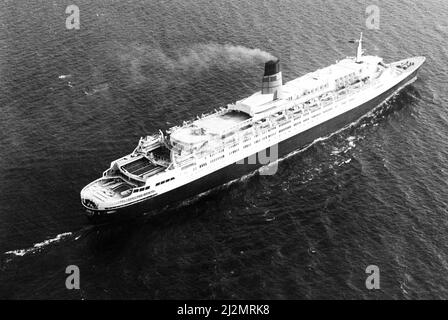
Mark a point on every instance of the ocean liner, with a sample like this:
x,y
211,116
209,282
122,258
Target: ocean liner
x,y
228,143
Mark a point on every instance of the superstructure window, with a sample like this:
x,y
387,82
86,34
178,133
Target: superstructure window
x,y
218,158
162,182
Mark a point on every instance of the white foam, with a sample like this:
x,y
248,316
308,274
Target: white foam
x,y
38,246
336,151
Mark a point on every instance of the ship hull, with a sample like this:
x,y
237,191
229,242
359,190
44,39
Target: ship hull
x,y
234,171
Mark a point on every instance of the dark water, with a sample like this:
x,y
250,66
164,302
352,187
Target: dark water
x,y
375,193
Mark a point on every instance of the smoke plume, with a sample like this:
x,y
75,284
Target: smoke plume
x,y
145,61
204,56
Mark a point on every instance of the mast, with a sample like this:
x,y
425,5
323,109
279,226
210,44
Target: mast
x,y
360,51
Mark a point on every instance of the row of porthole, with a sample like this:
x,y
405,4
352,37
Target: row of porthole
x,y
235,151
264,138
140,189
134,198
165,181
214,160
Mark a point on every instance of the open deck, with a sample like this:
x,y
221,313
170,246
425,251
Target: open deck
x,y
200,130
222,122
142,167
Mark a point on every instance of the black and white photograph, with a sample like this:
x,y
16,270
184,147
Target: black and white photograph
x,y
223,150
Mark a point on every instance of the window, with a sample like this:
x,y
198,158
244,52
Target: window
x,y
162,182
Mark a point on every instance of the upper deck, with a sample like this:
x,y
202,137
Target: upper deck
x,y
142,168
206,128
196,134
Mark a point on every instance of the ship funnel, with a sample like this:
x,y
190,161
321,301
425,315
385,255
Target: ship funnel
x,y
272,78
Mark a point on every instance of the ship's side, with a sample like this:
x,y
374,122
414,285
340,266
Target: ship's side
x,y
256,131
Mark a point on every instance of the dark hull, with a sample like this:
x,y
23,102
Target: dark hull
x,y
237,170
